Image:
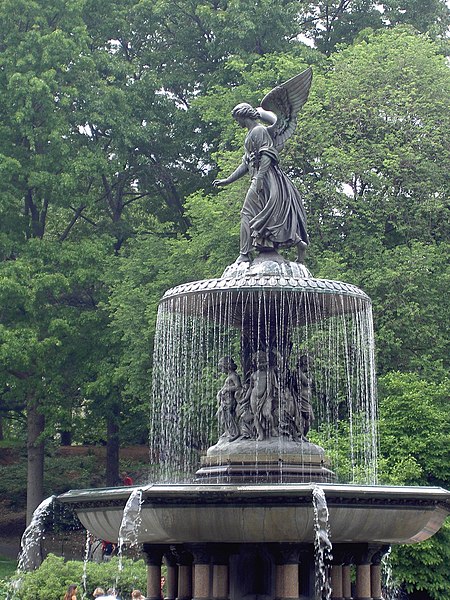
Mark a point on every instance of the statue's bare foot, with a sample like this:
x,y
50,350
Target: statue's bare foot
x,y
242,258
301,251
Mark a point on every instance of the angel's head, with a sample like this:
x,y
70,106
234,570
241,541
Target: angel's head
x,y
244,111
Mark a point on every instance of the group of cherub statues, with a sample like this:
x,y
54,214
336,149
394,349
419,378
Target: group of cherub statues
x,y
276,402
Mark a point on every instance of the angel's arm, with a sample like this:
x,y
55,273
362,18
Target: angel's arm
x,y
264,164
237,174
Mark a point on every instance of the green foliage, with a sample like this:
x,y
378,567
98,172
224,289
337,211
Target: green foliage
x,y
414,429
13,484
424,567
51,579
115,117
414,434
7,568
408,285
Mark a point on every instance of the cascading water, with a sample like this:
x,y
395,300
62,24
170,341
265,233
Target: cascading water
x,y
87,549
130,526
30,552
251,373
32,536
131,520
390,589
322,544
289,317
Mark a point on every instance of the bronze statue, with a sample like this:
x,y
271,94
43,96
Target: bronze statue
x,y
296,412
273,215
262,393
302,385
227,398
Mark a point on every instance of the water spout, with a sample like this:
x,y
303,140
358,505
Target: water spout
x,y
131,520
130,525
322,544
30,554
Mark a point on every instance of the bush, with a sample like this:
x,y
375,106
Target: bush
x,y
51,579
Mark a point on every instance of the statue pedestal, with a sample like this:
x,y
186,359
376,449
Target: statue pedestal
x,y
275,460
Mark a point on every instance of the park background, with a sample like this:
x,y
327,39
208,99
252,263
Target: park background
x,y
114,121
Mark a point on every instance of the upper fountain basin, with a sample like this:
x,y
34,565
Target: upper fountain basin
x,y
239,292
181,513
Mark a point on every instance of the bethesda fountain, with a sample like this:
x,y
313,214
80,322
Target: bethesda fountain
x,y
257,474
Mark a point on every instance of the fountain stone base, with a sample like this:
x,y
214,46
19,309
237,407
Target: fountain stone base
x,y
275,460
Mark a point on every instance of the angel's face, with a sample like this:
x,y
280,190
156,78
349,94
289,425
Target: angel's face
x,y
241,121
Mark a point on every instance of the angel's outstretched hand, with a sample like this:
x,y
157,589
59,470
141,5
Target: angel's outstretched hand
x,y
219,182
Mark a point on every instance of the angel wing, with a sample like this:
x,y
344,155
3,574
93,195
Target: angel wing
x,y
285,101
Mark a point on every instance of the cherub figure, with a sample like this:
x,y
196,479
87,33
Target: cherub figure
x,y
227,398
262,393
273,215
302,390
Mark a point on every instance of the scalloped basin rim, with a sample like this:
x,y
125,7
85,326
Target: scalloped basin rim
x,y
266,282
210,513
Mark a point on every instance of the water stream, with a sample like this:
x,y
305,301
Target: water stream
x,y
130,526
32,536
30,546
322,545
87,550
390,589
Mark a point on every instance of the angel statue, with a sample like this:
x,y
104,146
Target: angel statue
x,y
273,215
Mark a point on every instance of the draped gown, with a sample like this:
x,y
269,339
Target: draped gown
x,y
274,217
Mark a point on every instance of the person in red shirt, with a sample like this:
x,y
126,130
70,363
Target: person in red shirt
x,y
126,479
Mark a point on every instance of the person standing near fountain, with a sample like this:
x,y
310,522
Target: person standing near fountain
x,y
71,593
273,215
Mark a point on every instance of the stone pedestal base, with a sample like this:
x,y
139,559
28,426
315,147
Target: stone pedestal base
x,y
276,460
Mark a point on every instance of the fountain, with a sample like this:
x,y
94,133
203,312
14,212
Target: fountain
x,y
249,495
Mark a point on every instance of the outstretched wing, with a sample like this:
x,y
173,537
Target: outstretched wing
x,y
285,101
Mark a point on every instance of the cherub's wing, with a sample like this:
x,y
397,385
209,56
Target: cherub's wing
x,y
285,101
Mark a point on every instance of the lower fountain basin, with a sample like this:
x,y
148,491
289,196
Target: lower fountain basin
x,y
181,513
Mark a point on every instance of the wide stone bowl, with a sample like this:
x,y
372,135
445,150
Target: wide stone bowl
x,y
181,513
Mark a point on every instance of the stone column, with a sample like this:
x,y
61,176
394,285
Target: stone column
x,y
220,575
153,554
363,590
341,582
363,558
346,581
375,573
286,572
336,582
172,576
202,560
184,562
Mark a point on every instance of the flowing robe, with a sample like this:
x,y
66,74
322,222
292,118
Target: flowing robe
x,y
275,216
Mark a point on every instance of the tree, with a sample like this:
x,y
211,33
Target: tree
x,y
414,431
333,23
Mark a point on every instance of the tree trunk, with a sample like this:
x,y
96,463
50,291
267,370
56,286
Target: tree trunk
x,y
35,474
35,447
112,446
